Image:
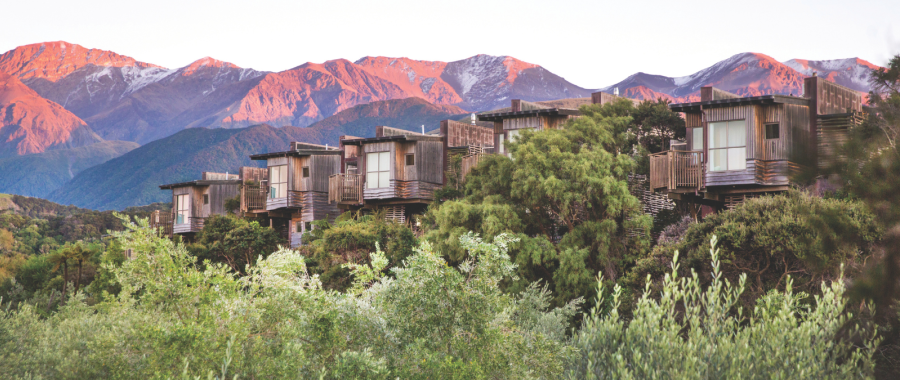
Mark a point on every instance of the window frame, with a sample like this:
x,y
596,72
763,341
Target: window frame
x,y
695,136
276,184
379,171
410,159
183,208
205,199
727,148
777,131
304,172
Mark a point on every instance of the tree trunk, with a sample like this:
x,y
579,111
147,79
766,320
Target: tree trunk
x,y
78,279
65,278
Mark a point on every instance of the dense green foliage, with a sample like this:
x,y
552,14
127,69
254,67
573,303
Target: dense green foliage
x,y
36,175
234,242
771,238
564,195
34,231
688,332
331,247
175,318
428,320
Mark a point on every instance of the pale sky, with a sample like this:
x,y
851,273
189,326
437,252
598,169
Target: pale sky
x,y
592,44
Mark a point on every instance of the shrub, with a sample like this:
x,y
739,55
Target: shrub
x,y
691,333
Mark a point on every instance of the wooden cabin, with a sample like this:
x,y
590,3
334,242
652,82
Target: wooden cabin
x,y
295,189
552,114
396,170
740,147
195,201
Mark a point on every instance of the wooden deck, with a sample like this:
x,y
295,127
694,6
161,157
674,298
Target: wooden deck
x,y
253,198
676,171
345,188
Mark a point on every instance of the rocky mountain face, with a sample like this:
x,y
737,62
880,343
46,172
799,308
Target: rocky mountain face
x,y
125,99
31,124
746,74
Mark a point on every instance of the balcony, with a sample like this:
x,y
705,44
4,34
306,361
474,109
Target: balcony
x,y
345,188
253,198
676,171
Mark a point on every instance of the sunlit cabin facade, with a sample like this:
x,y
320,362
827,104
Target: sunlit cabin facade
x,y
195,201
740,147
396,171
295,190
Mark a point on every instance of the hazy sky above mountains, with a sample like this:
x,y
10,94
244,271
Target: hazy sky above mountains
x,y
590,43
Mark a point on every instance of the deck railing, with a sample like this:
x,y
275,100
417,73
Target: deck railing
x,y
675,169
345,188
469,161
162,222
253,197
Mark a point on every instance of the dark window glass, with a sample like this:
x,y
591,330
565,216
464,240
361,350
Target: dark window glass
x,y
410,159
306,172
299,227
308,226
773,131
206,199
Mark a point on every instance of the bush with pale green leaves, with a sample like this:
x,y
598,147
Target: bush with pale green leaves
x,y
176,318
686,332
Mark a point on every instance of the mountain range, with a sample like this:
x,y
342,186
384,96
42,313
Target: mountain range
x,y
57,98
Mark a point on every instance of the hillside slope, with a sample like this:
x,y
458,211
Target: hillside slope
x,y
409,114
134,178
36,175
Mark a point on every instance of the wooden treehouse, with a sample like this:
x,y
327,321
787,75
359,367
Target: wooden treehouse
x,y
295,191
397,171
740,147
195,201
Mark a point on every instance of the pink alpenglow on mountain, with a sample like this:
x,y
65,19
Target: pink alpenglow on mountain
x,y
32,124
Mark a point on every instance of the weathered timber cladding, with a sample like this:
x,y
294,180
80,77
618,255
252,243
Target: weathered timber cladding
x,y
429,161
831,98
712,93
254,174
733,177
320,168
218,194
771,173
832,134
383,131
461,134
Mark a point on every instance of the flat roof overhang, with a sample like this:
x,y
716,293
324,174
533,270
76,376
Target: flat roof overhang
x,y
296,153
201,182
759,100
528,113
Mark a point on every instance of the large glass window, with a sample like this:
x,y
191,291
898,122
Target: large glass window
x,y
727,145
182,209
378,170
278,181
697,138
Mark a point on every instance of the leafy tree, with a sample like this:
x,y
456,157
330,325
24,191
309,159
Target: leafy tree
x,y
6,240
770,238
563,195
234,241
349,240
